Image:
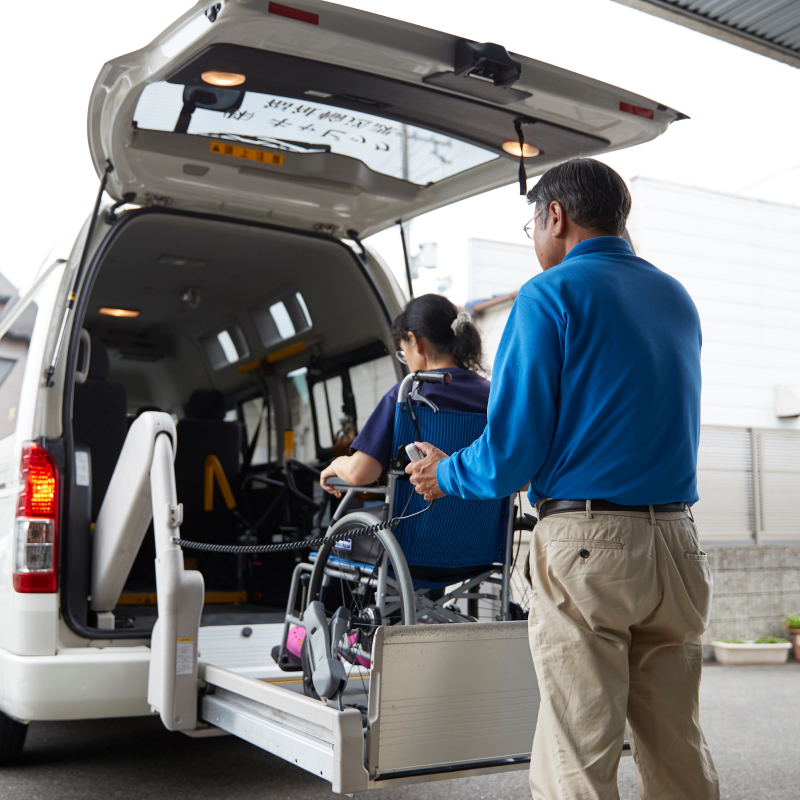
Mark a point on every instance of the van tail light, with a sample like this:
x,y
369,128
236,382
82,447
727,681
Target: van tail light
x,y
36,555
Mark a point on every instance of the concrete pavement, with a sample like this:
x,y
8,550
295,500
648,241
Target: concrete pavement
x,y
751,716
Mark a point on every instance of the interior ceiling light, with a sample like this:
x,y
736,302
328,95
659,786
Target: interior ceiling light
x,y
216,78
511,146
119,312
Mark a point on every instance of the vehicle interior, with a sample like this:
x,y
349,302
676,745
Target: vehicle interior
x,y
205,319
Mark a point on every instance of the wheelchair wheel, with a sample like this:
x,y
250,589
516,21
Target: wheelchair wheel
x,y
348,576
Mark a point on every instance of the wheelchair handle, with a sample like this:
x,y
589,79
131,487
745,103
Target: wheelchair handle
x,y
421,377
433,377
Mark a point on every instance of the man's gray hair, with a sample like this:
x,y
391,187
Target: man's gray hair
x,y
591,193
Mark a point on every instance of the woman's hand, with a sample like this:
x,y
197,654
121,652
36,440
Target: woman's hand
x,y
358,469
330,472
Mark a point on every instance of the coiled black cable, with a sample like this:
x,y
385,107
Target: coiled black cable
x,y
304,544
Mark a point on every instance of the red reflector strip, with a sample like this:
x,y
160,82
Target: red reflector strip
x,y
35,582
648,113
293,13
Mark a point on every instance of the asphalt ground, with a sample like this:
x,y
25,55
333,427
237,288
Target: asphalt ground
x,y
751,717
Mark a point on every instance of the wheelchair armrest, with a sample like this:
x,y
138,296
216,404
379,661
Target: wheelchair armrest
x,y
338,483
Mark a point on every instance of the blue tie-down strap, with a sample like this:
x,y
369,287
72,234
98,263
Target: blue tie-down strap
x,y
455,533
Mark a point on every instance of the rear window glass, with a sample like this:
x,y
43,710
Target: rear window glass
x,y
311,126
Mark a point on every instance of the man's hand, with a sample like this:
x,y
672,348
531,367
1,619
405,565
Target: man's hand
x,y
423,472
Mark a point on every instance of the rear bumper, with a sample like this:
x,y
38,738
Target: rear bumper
x,y
75,684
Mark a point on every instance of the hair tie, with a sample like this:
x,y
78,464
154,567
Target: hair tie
x,y
460,322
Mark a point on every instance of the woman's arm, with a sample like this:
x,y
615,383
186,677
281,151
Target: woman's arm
x,y
358,469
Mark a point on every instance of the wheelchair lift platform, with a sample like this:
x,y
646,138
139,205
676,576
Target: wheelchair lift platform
x,y
443,701
439,701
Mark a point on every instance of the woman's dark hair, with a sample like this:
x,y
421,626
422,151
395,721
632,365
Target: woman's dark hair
x,y
431,317
591,193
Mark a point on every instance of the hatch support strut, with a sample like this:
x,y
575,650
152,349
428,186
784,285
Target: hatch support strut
x,y
78,273
405,257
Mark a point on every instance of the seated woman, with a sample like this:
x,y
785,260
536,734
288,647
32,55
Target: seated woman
x,y
431,335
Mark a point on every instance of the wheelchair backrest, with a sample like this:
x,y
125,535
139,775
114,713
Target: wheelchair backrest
x,y
455,533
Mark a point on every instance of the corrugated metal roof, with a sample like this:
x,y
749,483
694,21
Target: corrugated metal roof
x,y
769,27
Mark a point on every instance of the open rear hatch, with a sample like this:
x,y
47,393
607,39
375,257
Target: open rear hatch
x,y
324,117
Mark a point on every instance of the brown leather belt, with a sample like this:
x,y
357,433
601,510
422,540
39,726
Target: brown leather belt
x,y
563,506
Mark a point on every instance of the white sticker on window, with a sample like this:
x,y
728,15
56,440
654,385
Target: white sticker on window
x,y
184,662
81,468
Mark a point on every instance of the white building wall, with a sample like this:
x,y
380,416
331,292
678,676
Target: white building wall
x,y
495,268
740,261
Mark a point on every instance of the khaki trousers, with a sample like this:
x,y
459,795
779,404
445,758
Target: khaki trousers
x,y
620,601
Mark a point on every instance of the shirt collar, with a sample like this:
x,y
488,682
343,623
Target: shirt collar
x,y
607,244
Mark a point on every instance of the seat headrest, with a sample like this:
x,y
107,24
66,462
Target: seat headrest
x,y
98,361
144,409
205,404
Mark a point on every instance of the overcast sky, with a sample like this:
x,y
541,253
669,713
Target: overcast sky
x,y
742,135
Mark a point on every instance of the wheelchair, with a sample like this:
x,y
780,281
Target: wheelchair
x,y
429,569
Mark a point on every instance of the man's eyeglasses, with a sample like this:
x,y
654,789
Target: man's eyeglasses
x,y
400,356
529,228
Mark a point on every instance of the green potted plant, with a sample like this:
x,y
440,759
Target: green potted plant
x,y
764,650
792,623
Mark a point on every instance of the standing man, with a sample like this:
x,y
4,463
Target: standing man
x,y
595,400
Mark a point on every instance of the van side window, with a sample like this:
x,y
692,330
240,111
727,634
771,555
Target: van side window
x,y
300,404
267,445
343,402
329,406
370,383
13,355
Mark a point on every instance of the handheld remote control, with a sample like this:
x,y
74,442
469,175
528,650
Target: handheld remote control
x,y
413,453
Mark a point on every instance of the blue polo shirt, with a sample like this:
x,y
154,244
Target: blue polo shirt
x,y
595,388
467,391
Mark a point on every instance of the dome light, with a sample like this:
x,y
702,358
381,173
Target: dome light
x,y
511,146
119,312
216,78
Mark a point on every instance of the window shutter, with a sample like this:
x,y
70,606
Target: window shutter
x,y
725,485
778,459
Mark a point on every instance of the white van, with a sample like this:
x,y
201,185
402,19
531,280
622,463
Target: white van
x,y
220,293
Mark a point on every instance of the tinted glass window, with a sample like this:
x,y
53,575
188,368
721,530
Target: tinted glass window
x,y
280,318
312,127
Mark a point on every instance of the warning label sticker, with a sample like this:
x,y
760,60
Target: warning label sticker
x,y
247,153
184,661
344,544
81,468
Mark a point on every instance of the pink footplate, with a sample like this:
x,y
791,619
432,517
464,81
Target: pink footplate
x,y
297,635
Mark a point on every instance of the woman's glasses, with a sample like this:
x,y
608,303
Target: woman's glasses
x,y
400,356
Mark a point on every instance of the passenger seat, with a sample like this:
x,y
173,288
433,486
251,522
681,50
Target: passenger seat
x,y
100,420
203,433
